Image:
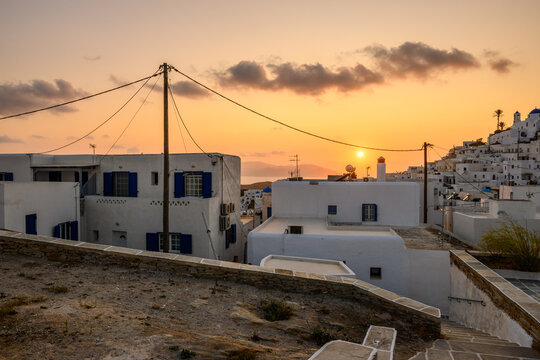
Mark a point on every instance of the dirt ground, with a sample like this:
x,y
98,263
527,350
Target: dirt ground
x,y
56,310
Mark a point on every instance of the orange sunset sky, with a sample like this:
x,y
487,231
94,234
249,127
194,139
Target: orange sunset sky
x,y
386,74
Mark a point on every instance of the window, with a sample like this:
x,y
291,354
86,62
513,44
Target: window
x,y
193,183
120,184
154,180
55,176
67,230
5,176
375,273
95,235
369,212
295,229
332,209
178,243
174,242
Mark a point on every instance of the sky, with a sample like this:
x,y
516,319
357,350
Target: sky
x,y
383,74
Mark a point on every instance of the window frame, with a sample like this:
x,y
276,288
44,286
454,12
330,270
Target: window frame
x,y
332,209
115,184
173,236
193,189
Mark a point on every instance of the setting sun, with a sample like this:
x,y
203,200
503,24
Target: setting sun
x,y
360,154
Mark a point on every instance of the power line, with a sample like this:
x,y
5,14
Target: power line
x,y
187,130
131,120
287,125
103,123
80,99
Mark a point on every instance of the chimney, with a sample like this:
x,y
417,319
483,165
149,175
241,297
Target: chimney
x,y
381,169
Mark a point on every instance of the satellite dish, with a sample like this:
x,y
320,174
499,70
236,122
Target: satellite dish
x,y
350,168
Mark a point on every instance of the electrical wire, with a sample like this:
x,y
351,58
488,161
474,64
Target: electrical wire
x,y
104,122
131,120
179,128
287,125
187,130
80,99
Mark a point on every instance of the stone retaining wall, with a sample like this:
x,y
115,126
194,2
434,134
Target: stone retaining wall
x,y
409,316
507,311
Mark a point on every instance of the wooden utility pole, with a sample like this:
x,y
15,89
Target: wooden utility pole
x,y
165,159
425,146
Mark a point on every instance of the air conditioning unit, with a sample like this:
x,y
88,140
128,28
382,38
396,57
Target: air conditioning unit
x,y
232,207
225,209
224,222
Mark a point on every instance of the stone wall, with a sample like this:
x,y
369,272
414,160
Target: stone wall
x,y
408,316
504,311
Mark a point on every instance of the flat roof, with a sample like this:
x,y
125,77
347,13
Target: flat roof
x,y
426,238
311,265
317,226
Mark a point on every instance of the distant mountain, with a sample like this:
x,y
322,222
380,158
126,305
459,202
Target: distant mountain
x,y
258,168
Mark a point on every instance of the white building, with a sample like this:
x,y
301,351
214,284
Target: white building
x,y
122,198
357,223
469,225
52,211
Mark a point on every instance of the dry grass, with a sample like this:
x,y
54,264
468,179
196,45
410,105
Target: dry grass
x,y
8,307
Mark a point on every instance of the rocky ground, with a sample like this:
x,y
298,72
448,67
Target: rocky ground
x,y
58,310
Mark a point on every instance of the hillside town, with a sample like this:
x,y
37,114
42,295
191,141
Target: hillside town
x,y
369,232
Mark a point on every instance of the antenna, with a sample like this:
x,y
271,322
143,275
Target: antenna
x,y
295,159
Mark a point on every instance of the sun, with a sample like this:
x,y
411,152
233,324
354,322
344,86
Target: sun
x,y
360,154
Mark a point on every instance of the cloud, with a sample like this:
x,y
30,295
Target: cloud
x,y
39,137
419,59
133,150
188,89
95,58
105,136
7,139
498,63
278,152
35,94
69,138
312,79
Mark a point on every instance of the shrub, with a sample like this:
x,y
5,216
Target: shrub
x,y
516,241
275,310
58,289
244,354
187,354
321,336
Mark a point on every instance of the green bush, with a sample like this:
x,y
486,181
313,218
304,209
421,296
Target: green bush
x,y
514,240
321,336
275,310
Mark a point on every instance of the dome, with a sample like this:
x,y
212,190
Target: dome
x,y
267,190
535,111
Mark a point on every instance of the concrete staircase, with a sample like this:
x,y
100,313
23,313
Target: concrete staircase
x,y
461,343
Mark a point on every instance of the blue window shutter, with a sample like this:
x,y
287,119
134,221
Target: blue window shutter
x,y
207,184
363,212
75,230
56,231
9,176
269,211
185,244
233,230
179,185
375,212
31,227
107,184
132,184
152,243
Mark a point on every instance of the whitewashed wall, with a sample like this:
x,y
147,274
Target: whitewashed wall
x,y
397,203
53,203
